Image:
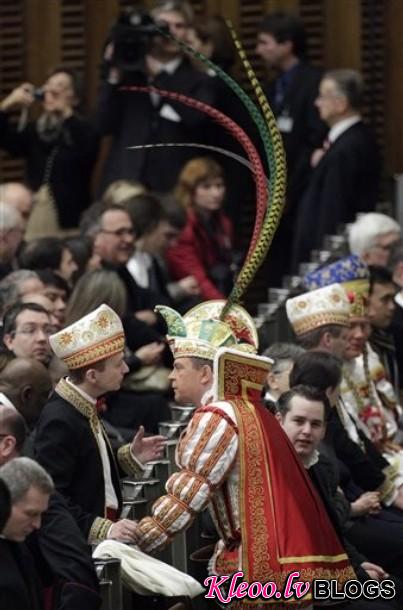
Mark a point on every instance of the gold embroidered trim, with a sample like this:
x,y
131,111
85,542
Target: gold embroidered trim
x,y
192,348
315,320
151,531
127,462
95,353
99,530
85,407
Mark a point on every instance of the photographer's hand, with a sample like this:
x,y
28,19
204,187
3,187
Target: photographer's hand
x,y
21,97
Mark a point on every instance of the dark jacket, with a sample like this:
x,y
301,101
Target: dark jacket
x,y
70,176
365,466
66,447
63,558
345,182
20,587
307,130
132,119
323,478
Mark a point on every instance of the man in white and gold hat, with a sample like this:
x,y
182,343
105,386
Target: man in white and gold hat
x,y
320,319
235,459
366,401
71,442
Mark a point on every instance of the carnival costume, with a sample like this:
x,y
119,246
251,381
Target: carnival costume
x,y
233,456
71,442
367,396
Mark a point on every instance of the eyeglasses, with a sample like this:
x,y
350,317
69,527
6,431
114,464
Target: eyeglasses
x,y
119,232
34,330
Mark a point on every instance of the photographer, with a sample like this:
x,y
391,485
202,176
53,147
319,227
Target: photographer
x,y
60,149
140,55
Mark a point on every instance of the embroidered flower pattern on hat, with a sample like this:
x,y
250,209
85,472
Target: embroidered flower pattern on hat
x,y
94,337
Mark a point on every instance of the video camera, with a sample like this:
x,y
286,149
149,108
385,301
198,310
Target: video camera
x,y
131,36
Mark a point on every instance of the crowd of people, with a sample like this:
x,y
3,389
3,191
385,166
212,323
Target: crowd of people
x,y
111,309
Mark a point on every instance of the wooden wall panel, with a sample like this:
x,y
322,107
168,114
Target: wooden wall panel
x,y
12,70
363,34
342,26
43,38
97,24
393,90
312,14
373,65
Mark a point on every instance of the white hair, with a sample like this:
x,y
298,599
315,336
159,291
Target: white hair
x,y
10,218
367,228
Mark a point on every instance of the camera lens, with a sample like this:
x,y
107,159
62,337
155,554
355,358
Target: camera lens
x,y
39,94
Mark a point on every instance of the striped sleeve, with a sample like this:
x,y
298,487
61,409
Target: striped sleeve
x,y
206,453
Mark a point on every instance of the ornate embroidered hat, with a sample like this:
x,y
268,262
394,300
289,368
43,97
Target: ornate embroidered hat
x,y
93,338
201,331
352,274
311,310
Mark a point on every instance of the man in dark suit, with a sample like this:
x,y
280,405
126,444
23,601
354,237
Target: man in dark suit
x,y
281,45
345,175
134,118
302,415
30,487
59,549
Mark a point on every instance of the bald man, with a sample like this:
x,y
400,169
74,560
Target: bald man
x,y
20,197
12,431
27,384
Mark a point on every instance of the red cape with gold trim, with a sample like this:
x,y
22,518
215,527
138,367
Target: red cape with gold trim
x,y
284,524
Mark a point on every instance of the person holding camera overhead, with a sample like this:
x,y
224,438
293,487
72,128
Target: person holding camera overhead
x,y
60,149
137,53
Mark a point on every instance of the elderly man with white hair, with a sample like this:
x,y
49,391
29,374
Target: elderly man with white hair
x,y
371,237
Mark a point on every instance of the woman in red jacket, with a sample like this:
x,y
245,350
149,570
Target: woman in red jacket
x,y
204,247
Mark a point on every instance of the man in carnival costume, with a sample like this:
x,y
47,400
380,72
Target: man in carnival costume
x,y
71,442
233,456
367,397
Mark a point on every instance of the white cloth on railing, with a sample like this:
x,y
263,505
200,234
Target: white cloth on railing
x,y
145,574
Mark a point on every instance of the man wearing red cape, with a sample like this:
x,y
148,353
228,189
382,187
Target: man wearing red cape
x,y
234,458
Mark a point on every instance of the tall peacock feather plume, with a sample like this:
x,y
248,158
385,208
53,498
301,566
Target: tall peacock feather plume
x,y
271,138
269,212
238,133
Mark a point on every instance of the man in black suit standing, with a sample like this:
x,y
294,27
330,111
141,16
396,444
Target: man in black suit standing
x,y
134,118
345,176
281,45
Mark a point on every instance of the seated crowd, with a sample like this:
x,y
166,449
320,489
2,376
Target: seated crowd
x,y
335,391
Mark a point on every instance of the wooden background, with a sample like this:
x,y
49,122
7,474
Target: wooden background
x,y
36,35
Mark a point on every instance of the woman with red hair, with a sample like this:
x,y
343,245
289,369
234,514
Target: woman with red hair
x,y
204,247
